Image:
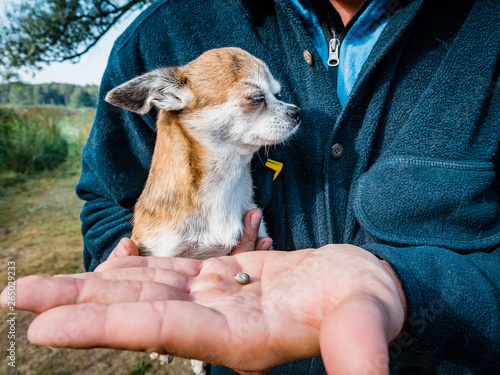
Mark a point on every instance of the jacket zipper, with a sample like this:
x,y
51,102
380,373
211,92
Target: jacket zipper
x,y
336,38
333,50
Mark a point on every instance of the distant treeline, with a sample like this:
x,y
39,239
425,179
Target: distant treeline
x,y
22,94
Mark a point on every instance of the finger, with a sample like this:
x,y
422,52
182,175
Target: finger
x,y
251,224
176,327
353,338
187,266
263,243
41,293
126,247
158,275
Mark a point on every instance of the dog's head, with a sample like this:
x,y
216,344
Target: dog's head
x,y
225,95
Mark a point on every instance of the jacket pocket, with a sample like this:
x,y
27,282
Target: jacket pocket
x,y
423,201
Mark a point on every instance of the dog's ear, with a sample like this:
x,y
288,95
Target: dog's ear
x,y
165,88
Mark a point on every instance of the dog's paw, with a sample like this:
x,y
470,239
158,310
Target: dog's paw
x,y
198,367
163,358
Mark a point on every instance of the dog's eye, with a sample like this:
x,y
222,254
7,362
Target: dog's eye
x,y
259,98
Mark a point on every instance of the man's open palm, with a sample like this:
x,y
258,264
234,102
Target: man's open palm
x,y
338,301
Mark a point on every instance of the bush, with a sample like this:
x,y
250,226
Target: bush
x,y
28,144
81,98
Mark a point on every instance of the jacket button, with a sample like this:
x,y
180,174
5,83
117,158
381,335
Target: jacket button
x,y
308,57
337,151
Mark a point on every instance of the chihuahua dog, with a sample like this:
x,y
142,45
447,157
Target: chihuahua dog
x,y
214,115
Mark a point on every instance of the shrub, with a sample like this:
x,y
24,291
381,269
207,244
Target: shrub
x,y
29,144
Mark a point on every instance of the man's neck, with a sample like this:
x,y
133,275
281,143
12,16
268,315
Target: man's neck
x,y
346,8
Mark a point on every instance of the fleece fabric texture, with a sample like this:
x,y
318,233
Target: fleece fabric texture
x,y
418,184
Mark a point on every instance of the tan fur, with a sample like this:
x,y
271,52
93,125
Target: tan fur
x,y
171,190
215,77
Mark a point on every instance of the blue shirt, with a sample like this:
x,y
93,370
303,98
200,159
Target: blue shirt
x,y
356,45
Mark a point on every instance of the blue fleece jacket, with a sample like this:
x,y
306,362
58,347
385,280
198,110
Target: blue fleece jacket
x,y
418,183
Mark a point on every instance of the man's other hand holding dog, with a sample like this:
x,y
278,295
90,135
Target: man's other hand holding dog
x,y
249,241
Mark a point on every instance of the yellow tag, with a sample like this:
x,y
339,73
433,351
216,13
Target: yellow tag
x,y
276,166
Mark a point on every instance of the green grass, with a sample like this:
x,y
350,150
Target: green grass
x,y
141,369
41,140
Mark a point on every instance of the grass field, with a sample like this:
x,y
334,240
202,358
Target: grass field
x,y
40,232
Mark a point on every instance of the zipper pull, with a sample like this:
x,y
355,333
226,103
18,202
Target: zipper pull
x,y
333,51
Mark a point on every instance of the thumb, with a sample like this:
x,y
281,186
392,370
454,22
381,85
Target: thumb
x,y
353,338
249,240
126,247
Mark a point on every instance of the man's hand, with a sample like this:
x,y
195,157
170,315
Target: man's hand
x,y
248,242
126,247
338,301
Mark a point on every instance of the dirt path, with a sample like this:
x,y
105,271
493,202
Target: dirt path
x,y
40,232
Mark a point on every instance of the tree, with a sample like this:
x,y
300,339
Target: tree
x,y
44,31
81,98
21,94
18,94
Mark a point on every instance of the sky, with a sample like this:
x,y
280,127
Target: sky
x,y
89,69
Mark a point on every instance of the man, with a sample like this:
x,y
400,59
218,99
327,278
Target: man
x,y
396,160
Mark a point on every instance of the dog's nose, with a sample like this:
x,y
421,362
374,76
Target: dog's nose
x,y
293,112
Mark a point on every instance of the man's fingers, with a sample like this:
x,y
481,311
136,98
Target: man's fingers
x,y
263,243
41,293
249,240
251,224
189,267
353,338
174,279
126,247
176,327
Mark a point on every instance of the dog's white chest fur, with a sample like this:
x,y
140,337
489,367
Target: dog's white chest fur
x,y
216,228
225,205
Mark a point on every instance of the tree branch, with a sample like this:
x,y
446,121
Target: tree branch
x,y
45,31
92,44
